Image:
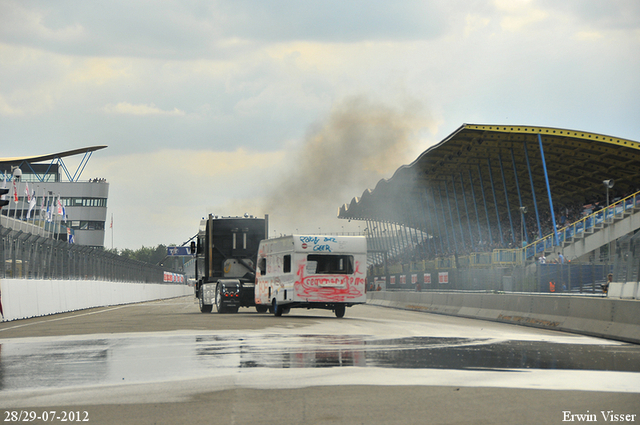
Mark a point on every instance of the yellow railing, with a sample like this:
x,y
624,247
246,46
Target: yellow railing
x,y
592,221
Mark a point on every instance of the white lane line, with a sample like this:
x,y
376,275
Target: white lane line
x,y
64,318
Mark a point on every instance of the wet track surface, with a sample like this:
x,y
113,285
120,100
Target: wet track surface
x,y
140,357
167,352
33,363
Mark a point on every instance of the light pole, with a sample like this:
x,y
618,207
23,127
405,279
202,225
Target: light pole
x,y
609,185
522,211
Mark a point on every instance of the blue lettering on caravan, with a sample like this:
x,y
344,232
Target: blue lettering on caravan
x,y
330,240
326,248
309,239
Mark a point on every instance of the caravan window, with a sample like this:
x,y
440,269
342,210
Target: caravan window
x,y
329,264
286,264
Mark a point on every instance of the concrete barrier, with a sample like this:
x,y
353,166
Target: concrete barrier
x,y
612,318
628,290
22,298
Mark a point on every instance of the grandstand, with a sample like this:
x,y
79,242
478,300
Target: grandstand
x,y
479,209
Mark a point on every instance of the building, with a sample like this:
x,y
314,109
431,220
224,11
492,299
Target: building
x,y
65,206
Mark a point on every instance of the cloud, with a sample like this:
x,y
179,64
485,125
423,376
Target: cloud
x,y
183,30
518,15
7,109
159,197
127,108
596,15
257,82
332,20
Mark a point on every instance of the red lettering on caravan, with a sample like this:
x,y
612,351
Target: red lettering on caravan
x,y
340,288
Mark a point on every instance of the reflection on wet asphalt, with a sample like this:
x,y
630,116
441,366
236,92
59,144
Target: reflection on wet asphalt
x,y
45,362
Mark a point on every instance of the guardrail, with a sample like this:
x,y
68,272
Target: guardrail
x,y
589,223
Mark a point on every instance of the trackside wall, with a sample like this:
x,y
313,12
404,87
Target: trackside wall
x,y
610,318
24,298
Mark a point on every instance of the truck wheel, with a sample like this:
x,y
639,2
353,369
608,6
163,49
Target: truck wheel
x,y
261,308
204,308
277,309
339,310
219,305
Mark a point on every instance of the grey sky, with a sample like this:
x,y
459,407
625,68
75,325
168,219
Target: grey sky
x,y
172,86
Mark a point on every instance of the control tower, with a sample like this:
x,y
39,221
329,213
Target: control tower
x,y
53,201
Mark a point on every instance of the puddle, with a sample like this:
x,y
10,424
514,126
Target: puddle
x,y
45,363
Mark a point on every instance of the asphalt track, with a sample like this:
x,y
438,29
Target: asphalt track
x,y
165,363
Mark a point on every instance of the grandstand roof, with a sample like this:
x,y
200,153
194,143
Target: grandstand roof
x,y
577,163
49,157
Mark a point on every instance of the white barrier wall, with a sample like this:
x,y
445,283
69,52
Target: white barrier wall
x,y
627,290
605,317
23,298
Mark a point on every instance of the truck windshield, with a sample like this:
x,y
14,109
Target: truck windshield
x,y
329,264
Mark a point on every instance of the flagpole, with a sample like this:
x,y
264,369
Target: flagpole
x,y
10,202
54,217
35,205
58,206
17,188
49,216
8,197
111,231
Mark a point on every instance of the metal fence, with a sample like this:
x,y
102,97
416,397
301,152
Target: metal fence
x,y
583,278
627,259
31,256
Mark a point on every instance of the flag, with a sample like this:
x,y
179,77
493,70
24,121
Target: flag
x,y
26,191
111,225
60,209
43,206
15,191
32,203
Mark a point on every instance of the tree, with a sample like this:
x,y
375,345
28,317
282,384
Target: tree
x,y
145,254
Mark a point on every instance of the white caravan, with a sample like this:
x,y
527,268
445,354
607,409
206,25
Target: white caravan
x,y
311,272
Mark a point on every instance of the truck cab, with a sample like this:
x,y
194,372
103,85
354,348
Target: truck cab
x,y
226,251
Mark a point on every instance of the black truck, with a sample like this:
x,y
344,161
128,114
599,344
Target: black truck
x,y
226,255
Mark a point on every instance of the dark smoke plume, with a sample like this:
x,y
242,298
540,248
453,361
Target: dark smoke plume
x,y
359,143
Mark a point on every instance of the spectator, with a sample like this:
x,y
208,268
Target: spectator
x,y
605,286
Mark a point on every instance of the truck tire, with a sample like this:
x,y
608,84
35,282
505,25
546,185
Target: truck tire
x,y
220,307
204,308
261,308
339,309
277,309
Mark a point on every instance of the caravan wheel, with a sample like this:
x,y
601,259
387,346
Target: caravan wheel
x,y
277,309
339,309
